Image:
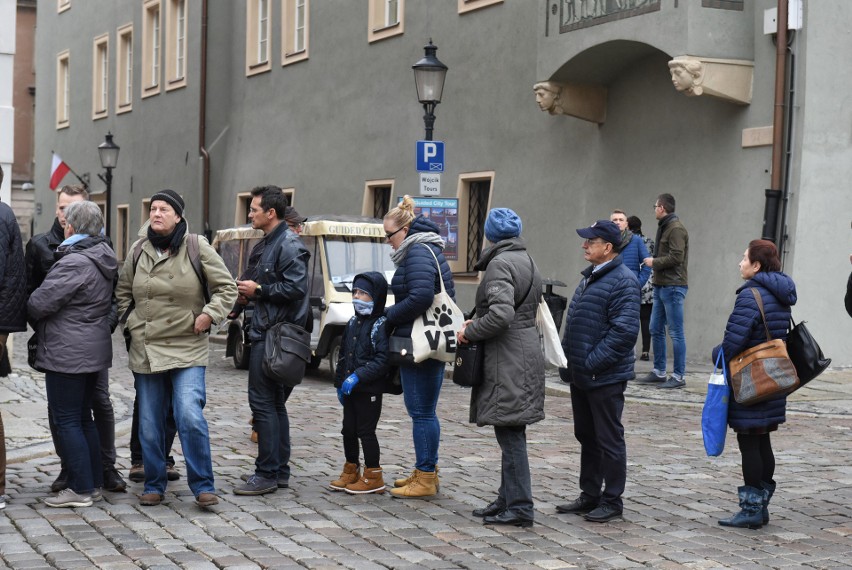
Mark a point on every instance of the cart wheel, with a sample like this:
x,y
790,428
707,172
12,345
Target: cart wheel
x,y
333,354
242,351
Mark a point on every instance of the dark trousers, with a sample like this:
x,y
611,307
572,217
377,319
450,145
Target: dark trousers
x,y
104,422
645,322
603,453
758,458
69,398
361,413
268,401
136,445
515,485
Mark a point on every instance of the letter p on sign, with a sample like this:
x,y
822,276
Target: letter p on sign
x,y
430,156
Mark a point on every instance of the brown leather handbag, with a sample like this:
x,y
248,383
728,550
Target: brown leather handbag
x,y
764,371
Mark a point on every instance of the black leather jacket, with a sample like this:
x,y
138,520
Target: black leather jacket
x,y
282,273
39,255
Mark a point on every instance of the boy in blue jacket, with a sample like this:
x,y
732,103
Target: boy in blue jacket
x,y
362,376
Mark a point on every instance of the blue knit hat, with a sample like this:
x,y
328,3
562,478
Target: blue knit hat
x,y
502,223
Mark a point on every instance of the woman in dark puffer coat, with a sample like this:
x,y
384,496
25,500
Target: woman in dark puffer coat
x,y
416,247
761,269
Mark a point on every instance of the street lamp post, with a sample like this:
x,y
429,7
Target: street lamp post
x,y
108,152
429,75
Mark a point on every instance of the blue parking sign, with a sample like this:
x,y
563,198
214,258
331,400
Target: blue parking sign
x,y
430,156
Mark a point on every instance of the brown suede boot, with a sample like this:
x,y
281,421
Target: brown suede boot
x,y
422,485
351,473
370,482
405,481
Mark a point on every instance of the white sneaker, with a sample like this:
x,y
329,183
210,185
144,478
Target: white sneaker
x,y
2,503
68,498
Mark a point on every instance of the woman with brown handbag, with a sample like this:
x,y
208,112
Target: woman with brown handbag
x,y
761,269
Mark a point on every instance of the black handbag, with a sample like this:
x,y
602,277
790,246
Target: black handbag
x,y
286,354
470,359
32,348
400,351
805,353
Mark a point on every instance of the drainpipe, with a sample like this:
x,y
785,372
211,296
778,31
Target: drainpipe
x,y
773,194
202,124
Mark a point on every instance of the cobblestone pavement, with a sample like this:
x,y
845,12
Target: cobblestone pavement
x,y
674,494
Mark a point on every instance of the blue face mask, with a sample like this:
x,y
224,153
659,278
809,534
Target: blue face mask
x,y
363,308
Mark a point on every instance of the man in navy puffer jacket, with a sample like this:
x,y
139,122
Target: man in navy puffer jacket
x,y
600,330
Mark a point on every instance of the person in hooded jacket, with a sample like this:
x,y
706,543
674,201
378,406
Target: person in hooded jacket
x,y
71,309
511,395
416,244
761,269
362,376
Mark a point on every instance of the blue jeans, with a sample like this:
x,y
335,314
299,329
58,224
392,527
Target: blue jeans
x,y
187,396
668,311
421,385
69,400
268,401
515,483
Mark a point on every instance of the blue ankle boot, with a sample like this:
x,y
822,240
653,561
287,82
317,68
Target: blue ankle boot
x,y
751,503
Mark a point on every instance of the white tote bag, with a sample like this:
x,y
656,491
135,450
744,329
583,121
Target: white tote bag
x,y
433,334
554,356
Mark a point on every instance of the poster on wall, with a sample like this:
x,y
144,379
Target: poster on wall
x,y
444,212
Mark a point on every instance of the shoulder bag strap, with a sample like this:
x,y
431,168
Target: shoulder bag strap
x,y
759,300
440,275
532,280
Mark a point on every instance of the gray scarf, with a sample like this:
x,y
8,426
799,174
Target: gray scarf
x,y
420,237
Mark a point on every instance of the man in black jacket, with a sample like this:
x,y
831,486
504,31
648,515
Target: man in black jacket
x,y
39,259
280,294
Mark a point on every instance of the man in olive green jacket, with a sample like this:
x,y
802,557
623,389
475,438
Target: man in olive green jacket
x,y
168,354
670,286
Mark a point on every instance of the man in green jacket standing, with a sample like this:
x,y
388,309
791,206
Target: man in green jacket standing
x,y
670,286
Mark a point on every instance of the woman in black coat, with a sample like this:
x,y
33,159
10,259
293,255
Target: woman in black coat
x,y
761,269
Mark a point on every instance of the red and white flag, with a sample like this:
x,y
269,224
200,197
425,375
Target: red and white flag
x,y
58,170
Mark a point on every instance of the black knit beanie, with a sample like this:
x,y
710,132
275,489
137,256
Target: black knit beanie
x,y
172,198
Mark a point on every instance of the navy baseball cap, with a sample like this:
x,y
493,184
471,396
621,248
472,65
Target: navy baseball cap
x,y
604,229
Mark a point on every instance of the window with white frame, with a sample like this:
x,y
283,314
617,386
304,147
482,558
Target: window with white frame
x,y
474,193
471,5
151,45
100,77
176,44
295,27
63,89
386,19
122,242
377,198
258,32
124,69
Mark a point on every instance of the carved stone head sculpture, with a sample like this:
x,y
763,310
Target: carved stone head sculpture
x,y
547,95
687,75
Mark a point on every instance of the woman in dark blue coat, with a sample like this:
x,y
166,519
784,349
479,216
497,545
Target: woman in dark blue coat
x,y
761,269
416,246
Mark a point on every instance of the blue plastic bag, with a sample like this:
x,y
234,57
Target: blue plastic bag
x,y
714,417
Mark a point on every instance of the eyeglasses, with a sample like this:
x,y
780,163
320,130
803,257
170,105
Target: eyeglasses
x,y
296,226
391,234
593,240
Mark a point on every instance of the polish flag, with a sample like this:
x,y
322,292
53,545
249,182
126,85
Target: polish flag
x,y
58,170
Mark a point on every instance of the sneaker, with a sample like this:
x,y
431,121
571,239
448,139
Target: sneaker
x,y
257,485
113,481
150,499
672,383
171,473
645,357
602,514
68,498
206,500
283,480
97,495
651,378
137,473
2,503
61,482
579,506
